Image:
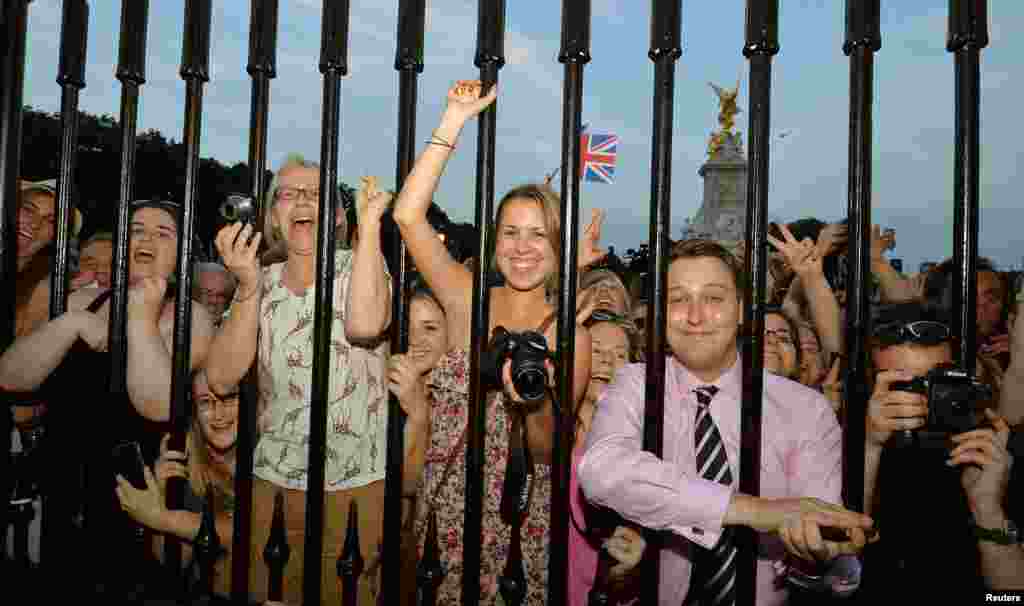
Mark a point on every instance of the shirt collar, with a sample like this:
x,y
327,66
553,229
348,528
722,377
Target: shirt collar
x,y
729,383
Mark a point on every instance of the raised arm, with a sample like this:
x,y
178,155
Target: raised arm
x,y
807,260
233,347
893,287
368,298
150,357
450,281
31,358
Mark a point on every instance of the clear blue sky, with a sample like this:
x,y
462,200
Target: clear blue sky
x,y
913,103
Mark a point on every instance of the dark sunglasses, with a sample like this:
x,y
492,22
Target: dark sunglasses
x,y
922,332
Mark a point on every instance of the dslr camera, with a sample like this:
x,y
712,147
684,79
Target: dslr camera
x,y
528,351
238,209
951,394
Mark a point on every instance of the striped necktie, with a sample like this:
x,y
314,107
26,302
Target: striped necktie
x,y
714,579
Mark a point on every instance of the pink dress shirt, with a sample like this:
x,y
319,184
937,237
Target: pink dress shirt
x,y
800,457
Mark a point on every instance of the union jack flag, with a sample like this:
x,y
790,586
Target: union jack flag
x,y
597,157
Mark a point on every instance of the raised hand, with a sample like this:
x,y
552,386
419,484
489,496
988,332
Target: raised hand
x,y
590,251
466,100
833,238
145,299
92,329
371,203
405,380
239,248
881,242
803,257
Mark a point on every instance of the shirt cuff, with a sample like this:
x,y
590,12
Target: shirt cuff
x,y
706,528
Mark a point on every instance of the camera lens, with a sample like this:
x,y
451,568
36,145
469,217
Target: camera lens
x,y
529,380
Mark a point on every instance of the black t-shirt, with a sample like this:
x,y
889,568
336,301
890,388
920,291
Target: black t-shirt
x,y
927,548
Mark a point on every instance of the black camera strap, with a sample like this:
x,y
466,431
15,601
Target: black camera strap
x,y
517,489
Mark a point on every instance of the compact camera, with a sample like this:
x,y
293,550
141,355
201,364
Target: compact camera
x,y
238,209
952,395
528,351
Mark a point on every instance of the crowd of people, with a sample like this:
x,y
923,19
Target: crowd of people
x,y
942,495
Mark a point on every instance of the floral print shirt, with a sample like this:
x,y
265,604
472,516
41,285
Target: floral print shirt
x,y
449,385
357,395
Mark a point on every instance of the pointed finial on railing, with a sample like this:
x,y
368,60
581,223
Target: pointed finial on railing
x,y
207,546
277,551
512,582
430,573
600,594
350,562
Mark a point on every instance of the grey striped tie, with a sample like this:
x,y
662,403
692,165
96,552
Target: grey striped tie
x,y
714,578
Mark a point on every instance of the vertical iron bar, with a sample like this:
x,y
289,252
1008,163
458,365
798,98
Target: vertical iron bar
x,y
131,71
262,67
333,65
71,77
13,24
429,571
195,68
968,34
574,54
761,45
863,39
409,64
665,50
490,57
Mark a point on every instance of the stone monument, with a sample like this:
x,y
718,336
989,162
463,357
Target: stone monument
x,y
722,214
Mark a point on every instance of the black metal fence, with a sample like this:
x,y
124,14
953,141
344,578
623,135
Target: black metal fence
x,y
967,36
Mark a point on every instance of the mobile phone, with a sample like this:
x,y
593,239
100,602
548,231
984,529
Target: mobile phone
x,y
129,465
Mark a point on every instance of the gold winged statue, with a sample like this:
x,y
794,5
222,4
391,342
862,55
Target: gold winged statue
x,y
727,111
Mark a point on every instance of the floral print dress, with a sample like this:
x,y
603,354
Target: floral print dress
x,y
449,383
357,395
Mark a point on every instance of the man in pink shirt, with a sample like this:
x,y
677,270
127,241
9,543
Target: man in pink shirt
x,y
691,493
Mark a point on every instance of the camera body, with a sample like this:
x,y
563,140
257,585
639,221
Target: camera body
x,y
528,351
951,395
238,208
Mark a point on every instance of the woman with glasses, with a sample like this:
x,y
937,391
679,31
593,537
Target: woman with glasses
x,y
781,350
277,302
208,464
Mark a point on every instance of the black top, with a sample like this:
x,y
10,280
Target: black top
x,y
926,547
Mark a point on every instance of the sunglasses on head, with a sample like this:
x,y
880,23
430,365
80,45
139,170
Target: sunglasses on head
x,y
922,332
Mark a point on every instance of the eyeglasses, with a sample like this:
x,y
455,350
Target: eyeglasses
x,y
290,194
781,335
922,332
205,404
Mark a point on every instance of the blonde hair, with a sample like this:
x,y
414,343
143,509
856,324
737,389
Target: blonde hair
x,y
549,203
272,235
200,469
276,248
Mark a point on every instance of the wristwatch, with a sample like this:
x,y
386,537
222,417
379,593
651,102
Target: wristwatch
x,y
1010,535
